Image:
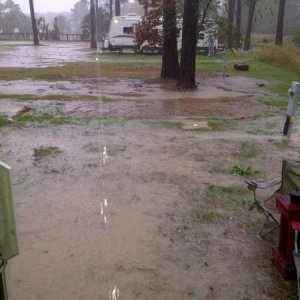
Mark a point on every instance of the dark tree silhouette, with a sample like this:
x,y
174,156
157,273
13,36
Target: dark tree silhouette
x,y
146,8
186,78
280,22
231,6
238,23
170,64
33,22
117,8
110,9
251,11
93,25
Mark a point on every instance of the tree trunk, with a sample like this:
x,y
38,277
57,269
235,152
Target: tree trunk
x,y
238,23
146,8
117,7
33,22
110,9
280,23
170,64
189,42
97,20
231,6
93,25
249,24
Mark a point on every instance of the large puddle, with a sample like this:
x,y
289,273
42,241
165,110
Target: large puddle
x,y
24,54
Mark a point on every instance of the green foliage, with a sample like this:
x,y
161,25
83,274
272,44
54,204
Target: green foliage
x,y
146,29
243,170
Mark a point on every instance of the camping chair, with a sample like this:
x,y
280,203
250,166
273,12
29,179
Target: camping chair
x,y
296,227
290,180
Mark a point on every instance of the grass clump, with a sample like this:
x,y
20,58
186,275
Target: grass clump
x,y
244,170
215,124
286,56
237,195
4,121
41,119
42,152
249,150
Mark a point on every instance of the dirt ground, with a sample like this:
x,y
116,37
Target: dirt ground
x,y
135,191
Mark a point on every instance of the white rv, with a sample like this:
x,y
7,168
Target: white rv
x,y
121,33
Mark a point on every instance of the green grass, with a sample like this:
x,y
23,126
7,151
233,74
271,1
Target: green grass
x,y
215,124
231,195
42,119
4,121
71,71
42,152
244,170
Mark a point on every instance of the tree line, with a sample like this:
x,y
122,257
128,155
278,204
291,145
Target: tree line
x,y
194,13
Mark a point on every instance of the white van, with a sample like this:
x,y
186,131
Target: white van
x,y
121,33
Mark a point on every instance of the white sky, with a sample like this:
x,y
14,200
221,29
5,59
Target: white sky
x,y
42,6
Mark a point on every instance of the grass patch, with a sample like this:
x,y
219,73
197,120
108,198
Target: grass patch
x,y
244,170
4,121
215,124
71,71
239,196
249,150
173,125
42,152
207,216
41,119
280,103
286,56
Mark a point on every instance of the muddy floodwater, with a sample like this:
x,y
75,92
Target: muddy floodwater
x,y
124,188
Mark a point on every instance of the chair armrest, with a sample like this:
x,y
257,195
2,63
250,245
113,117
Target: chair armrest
x,y
252,185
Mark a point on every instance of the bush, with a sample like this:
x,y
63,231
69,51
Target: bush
x,y
286,56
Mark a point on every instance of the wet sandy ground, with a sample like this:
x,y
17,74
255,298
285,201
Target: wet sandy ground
x,y
139,219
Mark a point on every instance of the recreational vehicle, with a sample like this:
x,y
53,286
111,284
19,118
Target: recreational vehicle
x,y
121,36
121,33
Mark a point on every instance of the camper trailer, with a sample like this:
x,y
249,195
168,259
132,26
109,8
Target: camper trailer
x,y
121,33
207,38
121,36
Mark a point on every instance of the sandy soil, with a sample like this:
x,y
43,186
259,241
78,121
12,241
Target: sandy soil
x,y
160,236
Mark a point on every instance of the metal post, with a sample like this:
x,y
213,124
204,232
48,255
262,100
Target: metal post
x,y
291,110
224,62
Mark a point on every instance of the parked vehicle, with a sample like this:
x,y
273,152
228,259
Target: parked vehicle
x,y
121,36
121,33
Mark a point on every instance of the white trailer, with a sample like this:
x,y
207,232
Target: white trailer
x,y
121,33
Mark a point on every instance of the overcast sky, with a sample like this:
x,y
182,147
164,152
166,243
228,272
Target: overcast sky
x,y
46,5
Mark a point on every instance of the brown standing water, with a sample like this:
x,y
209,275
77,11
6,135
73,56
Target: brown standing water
x,y
124,207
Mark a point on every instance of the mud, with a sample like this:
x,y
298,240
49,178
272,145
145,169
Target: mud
x,y
140,218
